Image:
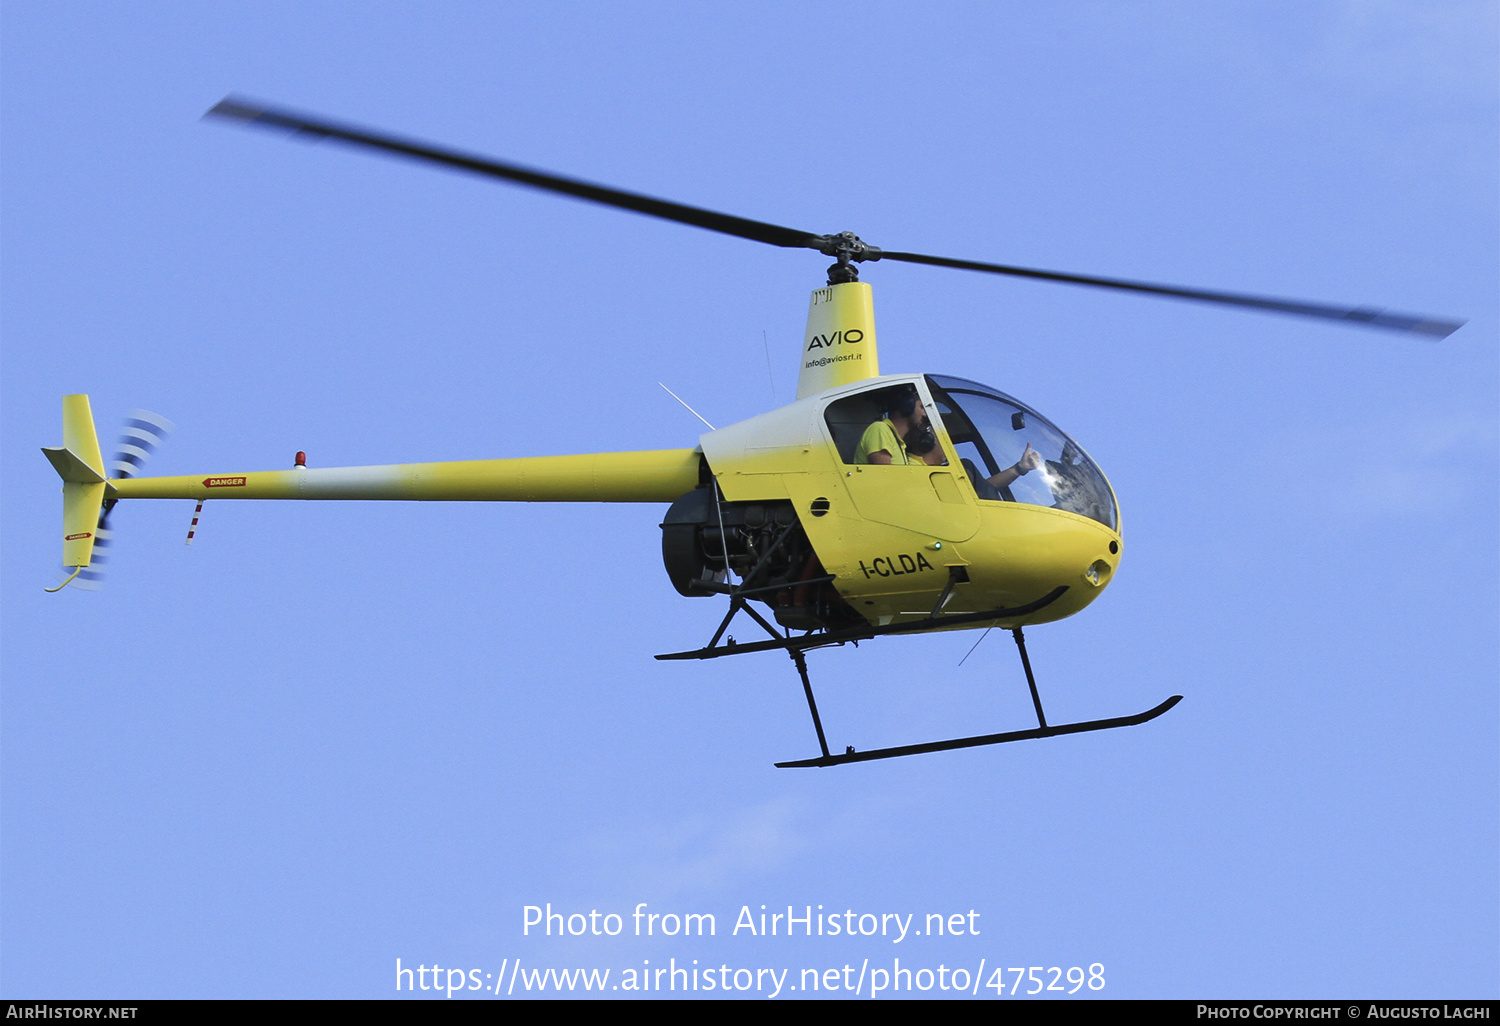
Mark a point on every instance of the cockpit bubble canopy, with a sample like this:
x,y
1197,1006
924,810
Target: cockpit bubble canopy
x,y
990,431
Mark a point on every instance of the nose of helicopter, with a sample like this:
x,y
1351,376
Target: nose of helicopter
x,y
1022,552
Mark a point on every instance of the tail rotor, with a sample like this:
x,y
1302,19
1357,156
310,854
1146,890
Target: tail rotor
x,y
143,432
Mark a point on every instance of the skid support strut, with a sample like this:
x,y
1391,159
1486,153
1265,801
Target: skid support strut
x,y
1036,699
1041,730
812,706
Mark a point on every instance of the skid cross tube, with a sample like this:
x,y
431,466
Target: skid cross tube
x,y
820,639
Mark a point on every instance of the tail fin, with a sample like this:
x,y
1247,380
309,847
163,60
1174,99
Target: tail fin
x,y
80,464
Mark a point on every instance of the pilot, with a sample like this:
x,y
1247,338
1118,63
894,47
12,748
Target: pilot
x,y
903,436
1029,461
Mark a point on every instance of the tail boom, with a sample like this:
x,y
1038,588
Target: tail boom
x,y
653,476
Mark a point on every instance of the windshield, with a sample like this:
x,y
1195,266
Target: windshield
x,y
1013,454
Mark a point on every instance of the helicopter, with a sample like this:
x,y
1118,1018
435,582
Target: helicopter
x,y
872,505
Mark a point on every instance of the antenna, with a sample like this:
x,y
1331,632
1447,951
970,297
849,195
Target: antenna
x,y
685,406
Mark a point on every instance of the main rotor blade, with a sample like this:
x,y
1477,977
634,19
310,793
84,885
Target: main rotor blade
x,y
758,231
845,246
1433,327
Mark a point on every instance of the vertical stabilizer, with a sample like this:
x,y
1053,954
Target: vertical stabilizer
x,y
79,436
839,347
81,466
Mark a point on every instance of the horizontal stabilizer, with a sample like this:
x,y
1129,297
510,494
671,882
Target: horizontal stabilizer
x,y
70,467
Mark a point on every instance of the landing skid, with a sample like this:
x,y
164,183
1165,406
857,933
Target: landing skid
x,y
985,739
1042,730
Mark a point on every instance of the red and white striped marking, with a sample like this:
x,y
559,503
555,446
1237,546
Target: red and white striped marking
x,y
194,525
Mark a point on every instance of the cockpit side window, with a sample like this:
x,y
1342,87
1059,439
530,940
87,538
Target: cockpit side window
x,y
850,418
1012,454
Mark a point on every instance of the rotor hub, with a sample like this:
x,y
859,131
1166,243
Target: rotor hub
x,y
847,249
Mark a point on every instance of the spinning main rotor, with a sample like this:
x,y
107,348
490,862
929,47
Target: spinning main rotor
x,y
846,248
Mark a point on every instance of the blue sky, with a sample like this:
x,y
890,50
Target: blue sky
x,y
328,736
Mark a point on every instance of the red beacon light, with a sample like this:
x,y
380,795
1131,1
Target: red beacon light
x,y
301,460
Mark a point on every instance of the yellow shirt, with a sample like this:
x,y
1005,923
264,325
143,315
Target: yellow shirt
x,y
881,435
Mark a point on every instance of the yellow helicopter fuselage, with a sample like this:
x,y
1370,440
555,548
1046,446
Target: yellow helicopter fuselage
x,y
894,538
891,534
